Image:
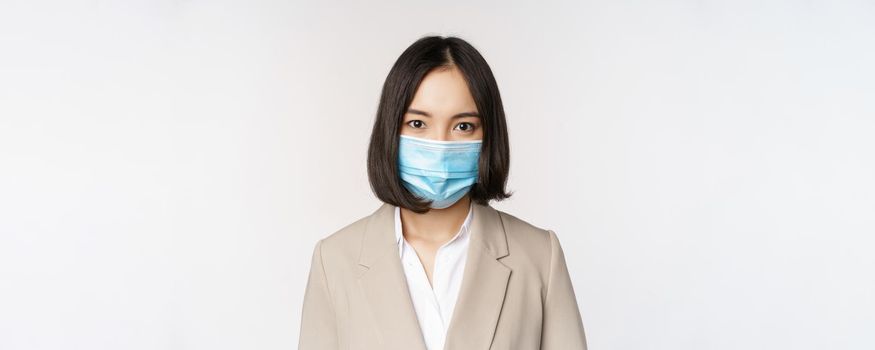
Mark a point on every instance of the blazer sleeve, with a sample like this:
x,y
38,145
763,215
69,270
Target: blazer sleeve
x,y
318,326
562,323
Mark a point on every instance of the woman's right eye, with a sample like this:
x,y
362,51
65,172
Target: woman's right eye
x,y
415,123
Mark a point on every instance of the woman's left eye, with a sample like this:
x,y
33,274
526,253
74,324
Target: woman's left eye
x,y
465,126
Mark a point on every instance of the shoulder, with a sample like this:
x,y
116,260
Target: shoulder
x,y
345,242
518,228
534,251
535,242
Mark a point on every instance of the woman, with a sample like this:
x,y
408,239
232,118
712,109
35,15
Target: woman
x,y
435,267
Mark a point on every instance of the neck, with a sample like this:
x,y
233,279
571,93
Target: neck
x,y
437,225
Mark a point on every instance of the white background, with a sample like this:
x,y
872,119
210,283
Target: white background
x,y
166,167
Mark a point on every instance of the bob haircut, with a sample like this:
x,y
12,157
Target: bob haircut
x,y
424,55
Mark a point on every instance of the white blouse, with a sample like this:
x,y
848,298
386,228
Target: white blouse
x,y
434,306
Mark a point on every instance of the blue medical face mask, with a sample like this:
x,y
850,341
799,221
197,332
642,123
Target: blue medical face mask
x,y
439,171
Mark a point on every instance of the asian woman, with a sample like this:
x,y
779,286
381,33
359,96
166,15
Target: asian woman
x,y
435,267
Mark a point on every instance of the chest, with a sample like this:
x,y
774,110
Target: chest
x,y
434,276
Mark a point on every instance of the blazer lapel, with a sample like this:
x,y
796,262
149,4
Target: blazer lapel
x,y
385,286
484,284
481,294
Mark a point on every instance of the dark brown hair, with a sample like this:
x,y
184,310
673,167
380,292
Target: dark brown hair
x,y
415,62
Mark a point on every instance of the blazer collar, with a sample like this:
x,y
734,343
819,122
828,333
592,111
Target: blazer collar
x,y
481,296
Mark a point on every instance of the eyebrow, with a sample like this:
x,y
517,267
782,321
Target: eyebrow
x,y
460,115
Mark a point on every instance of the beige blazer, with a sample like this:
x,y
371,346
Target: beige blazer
x,y
516,292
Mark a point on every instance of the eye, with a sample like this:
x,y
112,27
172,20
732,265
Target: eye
x,y
465,126
416,123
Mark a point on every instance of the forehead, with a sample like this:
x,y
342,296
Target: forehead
x,y
443,91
